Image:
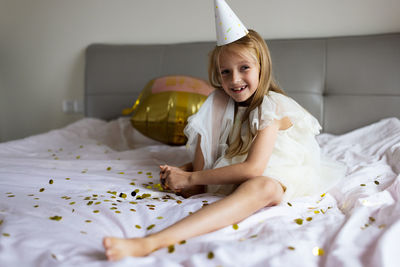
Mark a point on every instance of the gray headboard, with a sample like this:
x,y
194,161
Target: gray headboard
x,y
345,82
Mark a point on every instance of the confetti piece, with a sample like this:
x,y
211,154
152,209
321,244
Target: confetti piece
x,y
133,183
41,190
308,219
6,234
122,195
83,232
182,242
179,201
290,204
323,195
55,218
316,211
298,221
362,184
78,157
140,172
11,196
171,249
88,221
89,203
371,219
376,182
132,210
36,206
210,255
160,217
318,251
1,222
96,211
382,226
235,226
148,173
117,211
121,173
51,181
291,248
67,178
72,203
151,227
109,169
138,226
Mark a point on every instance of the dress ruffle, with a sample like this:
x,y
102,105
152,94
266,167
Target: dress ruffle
x,y
295,160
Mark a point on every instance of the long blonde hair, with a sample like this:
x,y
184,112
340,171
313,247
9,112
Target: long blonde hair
x,y
256,45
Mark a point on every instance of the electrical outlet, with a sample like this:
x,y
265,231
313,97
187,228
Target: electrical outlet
x,y
72,106
68,106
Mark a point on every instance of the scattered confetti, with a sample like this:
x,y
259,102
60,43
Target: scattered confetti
x,y
308,219
235,226
376,182
96,211
51,181
109,169
122,195
88,221
210,255
6,234
160,217
138,226
151,227
298,221
41,189
291,248
171,249
362,184
318,251
55,218
182,242
290,204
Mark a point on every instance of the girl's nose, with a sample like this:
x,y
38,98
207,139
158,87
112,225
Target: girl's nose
x,y
236,78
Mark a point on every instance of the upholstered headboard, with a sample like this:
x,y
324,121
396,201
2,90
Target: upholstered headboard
x,y
345,82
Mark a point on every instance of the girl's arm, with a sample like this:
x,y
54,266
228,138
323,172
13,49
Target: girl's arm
x,y
254,165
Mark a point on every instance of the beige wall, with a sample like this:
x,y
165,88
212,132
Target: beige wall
x,y
42,42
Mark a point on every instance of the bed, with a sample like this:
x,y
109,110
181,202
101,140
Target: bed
x,y
62,191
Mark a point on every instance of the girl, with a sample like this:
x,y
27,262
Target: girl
x,y
249,141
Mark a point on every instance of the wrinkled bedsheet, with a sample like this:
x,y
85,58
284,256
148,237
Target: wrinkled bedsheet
x,y
61,192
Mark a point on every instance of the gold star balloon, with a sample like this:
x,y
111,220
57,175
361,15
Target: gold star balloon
x,y
162,108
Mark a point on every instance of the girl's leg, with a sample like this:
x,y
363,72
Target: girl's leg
x,y
249,197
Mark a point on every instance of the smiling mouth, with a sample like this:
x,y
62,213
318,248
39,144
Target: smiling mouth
x,y
239,89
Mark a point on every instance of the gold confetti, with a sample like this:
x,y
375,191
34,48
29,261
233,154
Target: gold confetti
x,y
316,211
51,181
67,178
382,226
72,203
36,206
210,255
151,227
318,251
117,211
121,173
78,157
290,204
171,248
6,234
133,183
41,190
308,219
138,226
235,226
122,195
323,195
88,221
1,222
109,169
160,217
362,184
140,172
55,218
83,232
182,242
299,221
148,173
179,201
132,210
291,248
11,196
96,211
81,146
376,182
90,203
371,219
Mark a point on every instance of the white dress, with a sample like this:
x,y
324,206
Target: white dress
x,y
295,160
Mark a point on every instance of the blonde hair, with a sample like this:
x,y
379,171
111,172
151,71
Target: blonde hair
x,y
256,45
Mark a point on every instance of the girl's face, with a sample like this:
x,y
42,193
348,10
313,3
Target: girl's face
x,y
239,74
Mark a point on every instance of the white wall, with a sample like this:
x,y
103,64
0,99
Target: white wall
x,y
42,42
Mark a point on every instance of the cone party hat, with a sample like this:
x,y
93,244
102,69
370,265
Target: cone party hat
x,y
228,26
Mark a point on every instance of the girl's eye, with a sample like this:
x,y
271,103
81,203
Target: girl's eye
x,y
223,72
245,67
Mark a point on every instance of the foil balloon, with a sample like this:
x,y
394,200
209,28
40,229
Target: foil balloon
x,y
163,106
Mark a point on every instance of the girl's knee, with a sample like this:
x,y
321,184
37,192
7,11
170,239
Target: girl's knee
x,y
267,190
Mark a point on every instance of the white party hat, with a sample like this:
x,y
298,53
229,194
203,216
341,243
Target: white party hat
x,y
228,26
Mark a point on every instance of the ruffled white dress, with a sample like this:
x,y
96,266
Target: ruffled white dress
x,y
296,159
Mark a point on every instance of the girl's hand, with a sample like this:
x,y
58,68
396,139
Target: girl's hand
x,y
174,178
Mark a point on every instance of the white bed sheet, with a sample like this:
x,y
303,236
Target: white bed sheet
x,y
355,224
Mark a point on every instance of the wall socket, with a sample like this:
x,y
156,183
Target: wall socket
x,y
72,106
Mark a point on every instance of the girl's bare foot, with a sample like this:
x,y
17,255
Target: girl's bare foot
x,y
118,248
